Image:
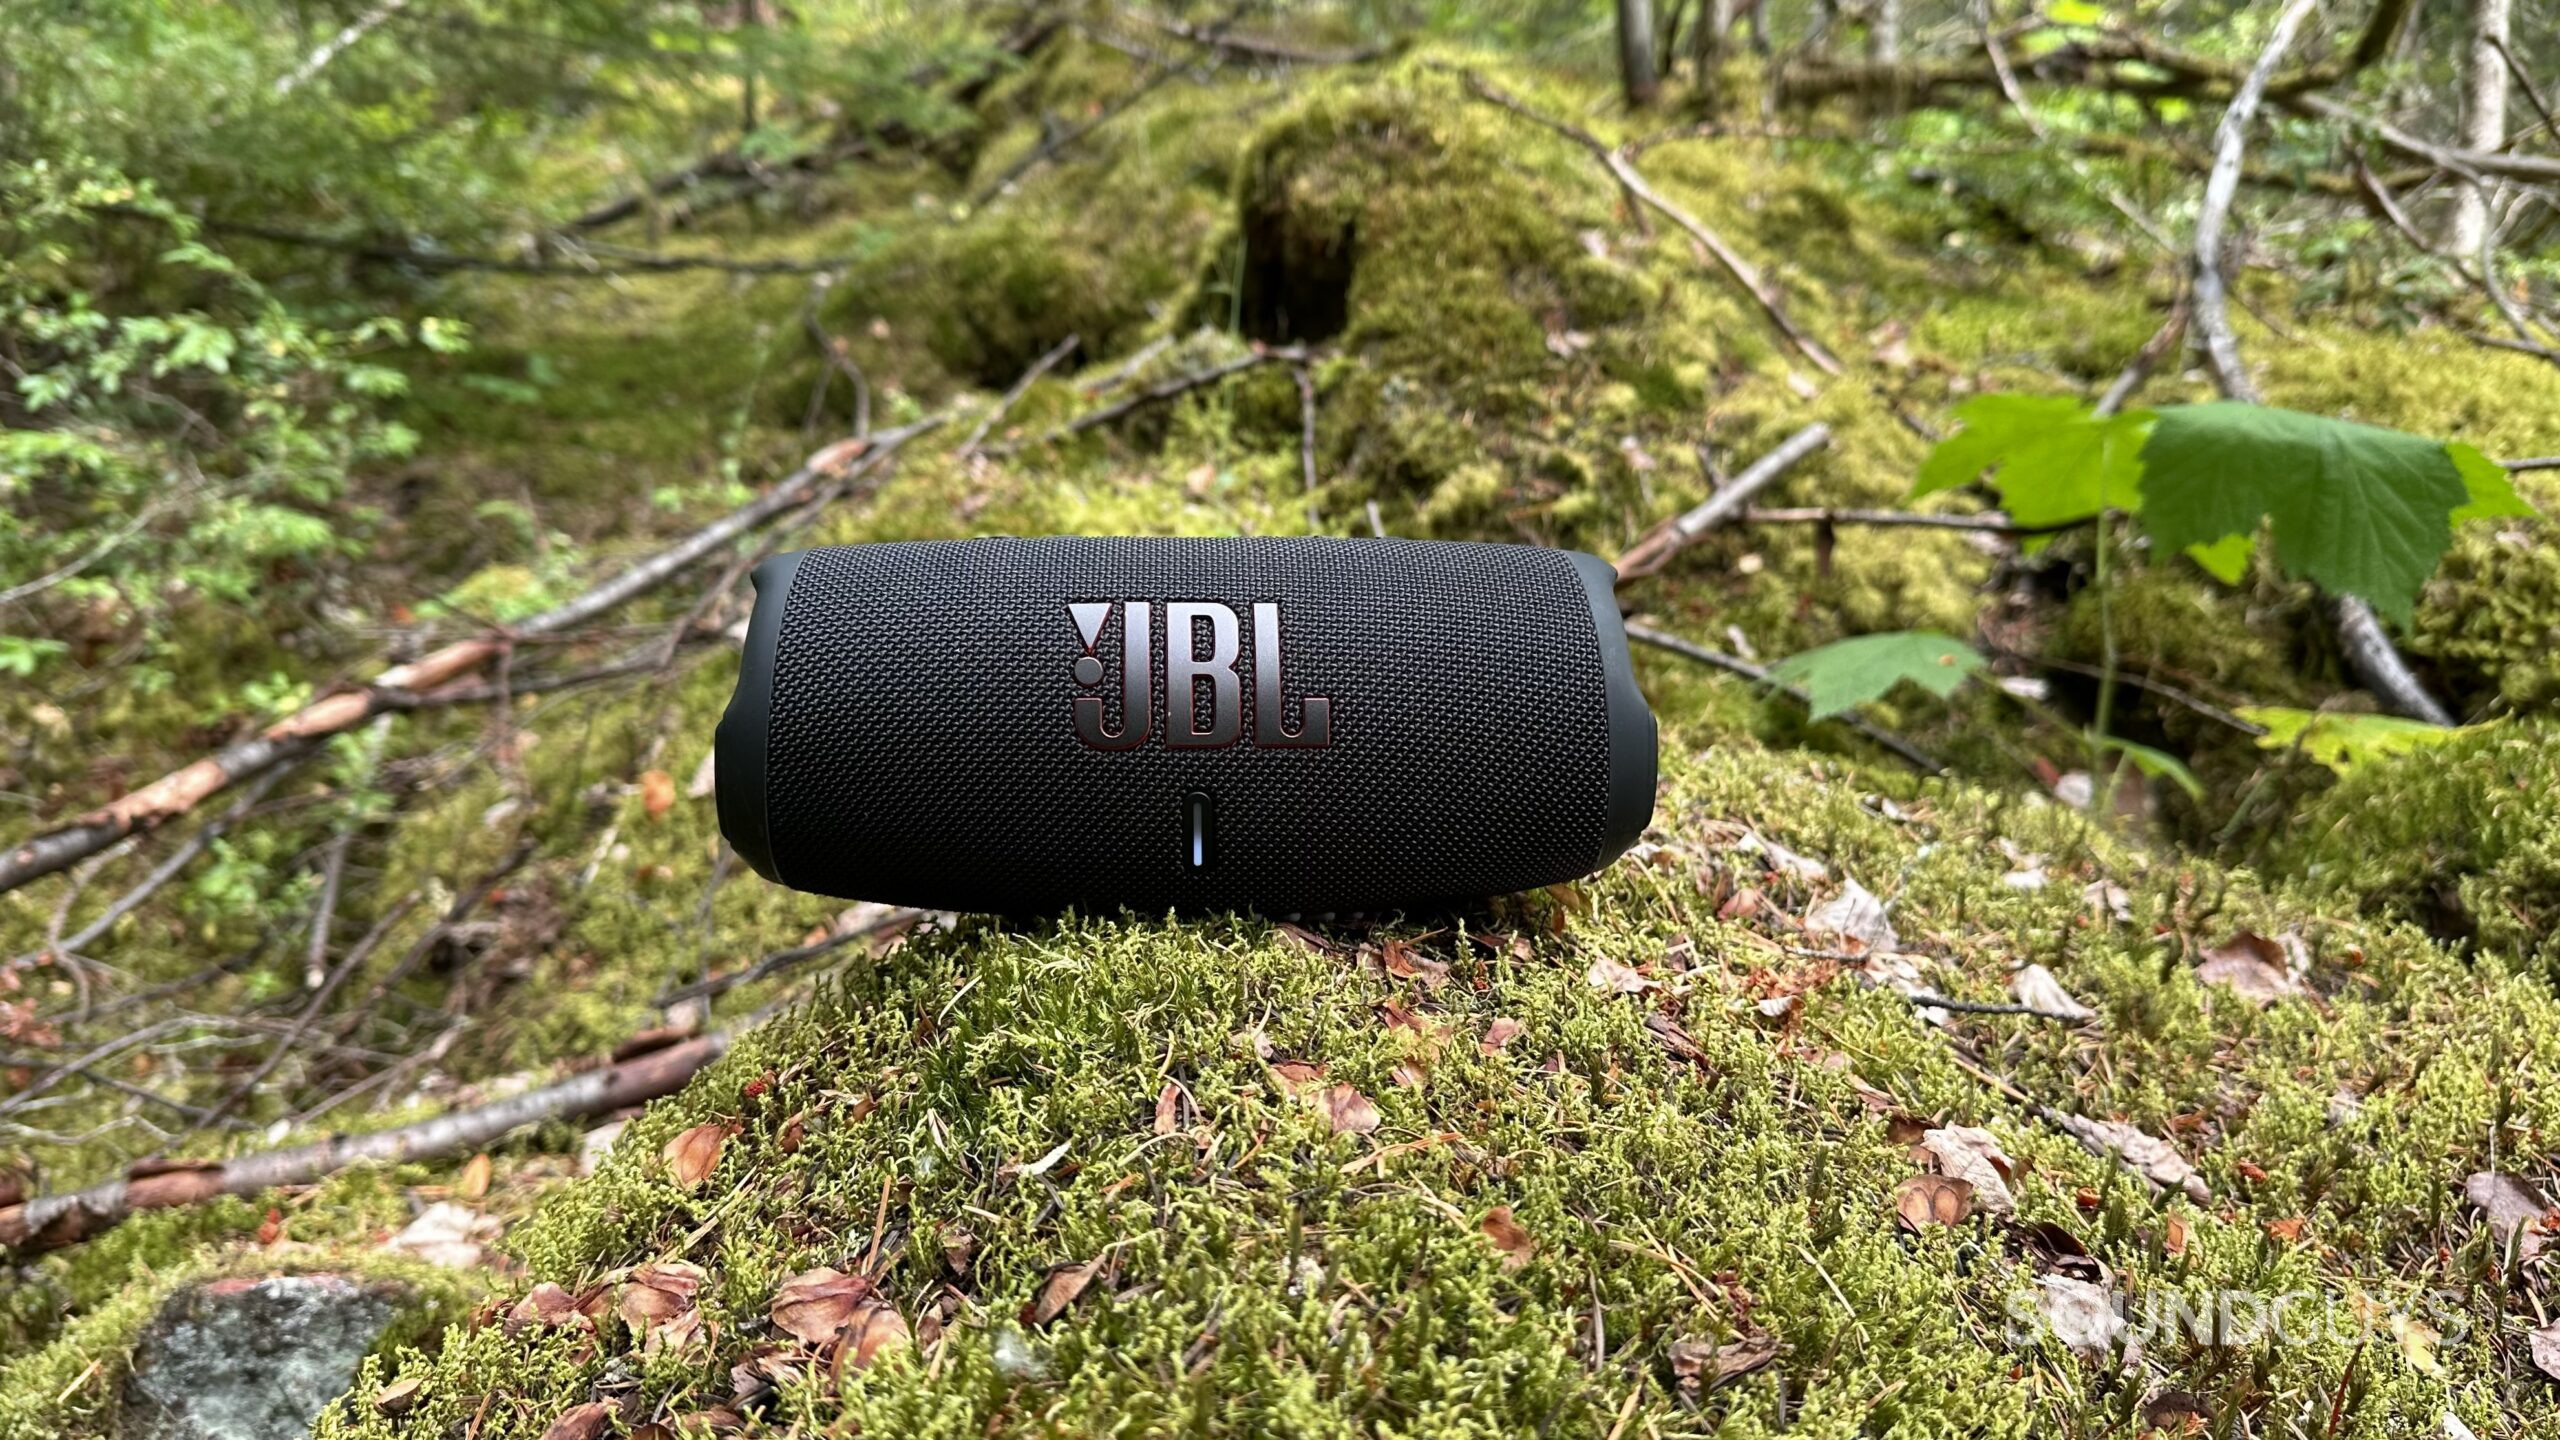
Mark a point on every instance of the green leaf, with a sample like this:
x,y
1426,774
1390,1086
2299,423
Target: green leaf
x,y
2344,741
2157,764
1849,673
2226,559
2486,482
2075,12
2054,459
2356,508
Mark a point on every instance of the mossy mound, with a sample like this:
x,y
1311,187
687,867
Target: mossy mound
x,y
1695,1150
2462,838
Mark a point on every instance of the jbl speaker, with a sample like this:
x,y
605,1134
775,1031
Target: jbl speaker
x,y
1304,724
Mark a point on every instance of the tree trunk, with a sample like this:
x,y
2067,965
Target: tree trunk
x,y
1884,32
2484,118
1638,74
1715,26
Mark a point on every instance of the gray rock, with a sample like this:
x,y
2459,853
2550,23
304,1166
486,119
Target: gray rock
x,y
252,1359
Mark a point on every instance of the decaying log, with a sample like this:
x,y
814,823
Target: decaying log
x,y
182,790
50,1222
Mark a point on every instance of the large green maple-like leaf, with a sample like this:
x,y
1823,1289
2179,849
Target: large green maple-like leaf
x,y
1849,673
2054,459
2343,741
2358,509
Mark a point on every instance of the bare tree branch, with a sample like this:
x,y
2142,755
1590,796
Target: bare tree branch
x,y
1654,551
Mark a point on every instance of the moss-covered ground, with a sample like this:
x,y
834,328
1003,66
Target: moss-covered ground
x,y
1699,1121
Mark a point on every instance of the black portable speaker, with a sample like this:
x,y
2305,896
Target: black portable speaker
x,y
1304,724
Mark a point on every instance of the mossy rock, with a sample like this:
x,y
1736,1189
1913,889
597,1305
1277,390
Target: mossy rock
x,y
1564,1188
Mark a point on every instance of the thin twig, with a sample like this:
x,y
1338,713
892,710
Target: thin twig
x,y
1989,523
1912,754
1633,183
320,998
714,986
1163,390
1654,551
1048,361
1307,443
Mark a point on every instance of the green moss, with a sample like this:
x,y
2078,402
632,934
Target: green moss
x,y
1261,1274
2463,838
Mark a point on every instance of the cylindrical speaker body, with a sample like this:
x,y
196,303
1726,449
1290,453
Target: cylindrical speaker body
x,y
1301,724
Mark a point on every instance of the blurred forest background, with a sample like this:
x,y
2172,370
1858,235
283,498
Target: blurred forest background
x,y
2078,470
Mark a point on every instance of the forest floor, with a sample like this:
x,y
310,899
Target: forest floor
x,y
1673,1151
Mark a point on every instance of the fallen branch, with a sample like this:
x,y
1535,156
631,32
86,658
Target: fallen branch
x,y
781,961
1634,184
2538,462
1653,552
50,1222
1162,391
337,45
182,790
1253,47
1052,144
1916,757
1990,522
2368,650
1013,395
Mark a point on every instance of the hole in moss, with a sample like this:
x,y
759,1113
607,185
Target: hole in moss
x,y
1296,286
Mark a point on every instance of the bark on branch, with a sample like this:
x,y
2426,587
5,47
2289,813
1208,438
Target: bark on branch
x,y
1654,551
2366,647
50,1222
181,790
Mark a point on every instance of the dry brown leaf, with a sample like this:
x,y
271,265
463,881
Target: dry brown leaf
x,y
1348,1111
2037,986
1405,962
1925,1200
1306,938
817,1305
2257,969
1973,1155
1508,1236
877,1328
473,1183
1168,1108
2180,1412
581,1422
2515,1210
2153,1159
546,1306
693,1155
1296,1075
1856,918
396,1397
1058,1291
2287,1230
657,793
659,1294
2173,1236
1608,974
1501,1032
2546,1349
1702,1365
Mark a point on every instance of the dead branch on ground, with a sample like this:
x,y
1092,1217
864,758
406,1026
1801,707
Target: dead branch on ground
x,y
2366,646
1167,389
1909,753
182,790
51,1222
1650,554
1631,181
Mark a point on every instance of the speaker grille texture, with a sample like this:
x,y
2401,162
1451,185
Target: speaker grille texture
x,y
922,749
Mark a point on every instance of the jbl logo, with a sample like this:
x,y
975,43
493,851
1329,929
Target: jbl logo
x,y
1189,676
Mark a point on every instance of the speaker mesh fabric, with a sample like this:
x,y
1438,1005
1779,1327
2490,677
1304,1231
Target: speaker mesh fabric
x,y
921,748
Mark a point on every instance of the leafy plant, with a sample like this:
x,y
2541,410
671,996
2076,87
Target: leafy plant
x,y
2357,509
2345,742
1848,673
